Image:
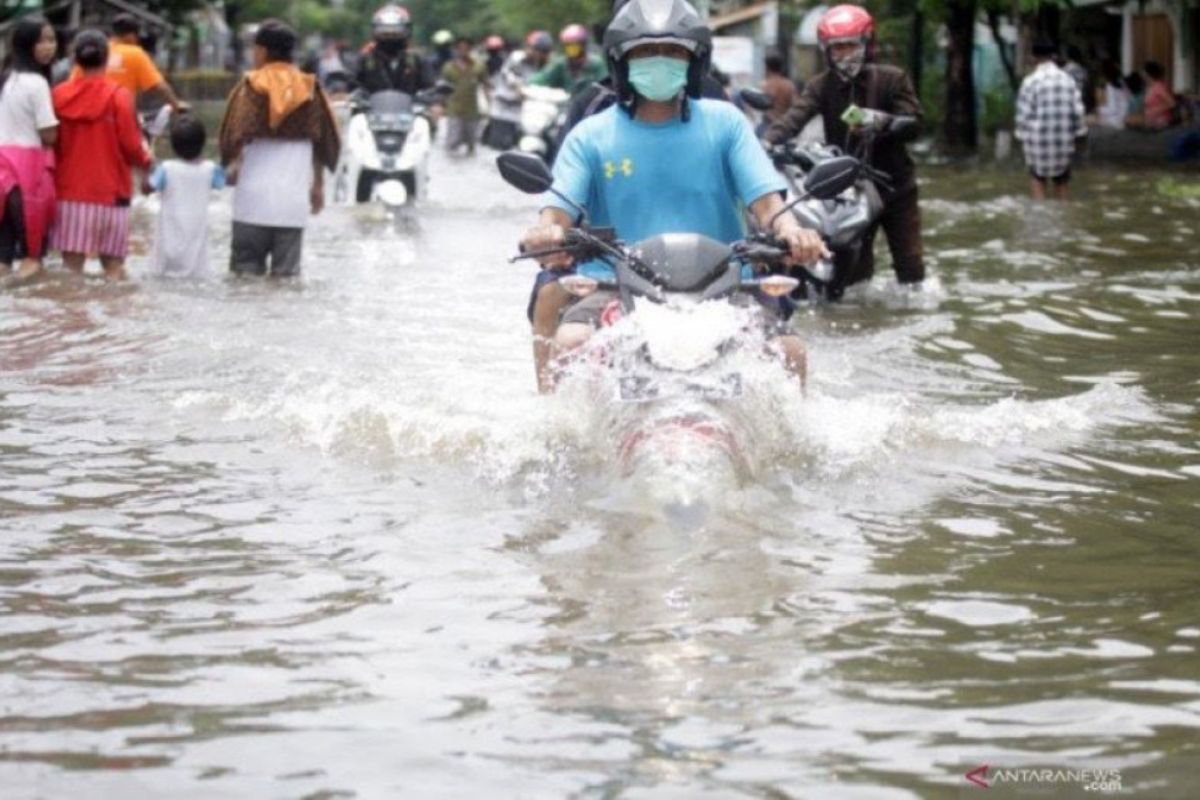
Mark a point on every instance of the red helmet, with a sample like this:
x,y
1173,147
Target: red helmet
x,y
845,24
574,34
493,43
540,41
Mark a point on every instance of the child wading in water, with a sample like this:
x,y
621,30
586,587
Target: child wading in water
x,y
185,183
98,145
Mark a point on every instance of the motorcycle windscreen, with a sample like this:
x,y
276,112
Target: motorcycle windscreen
x,y
683,262
390,111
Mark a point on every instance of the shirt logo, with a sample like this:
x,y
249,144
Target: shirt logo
x,y
625,168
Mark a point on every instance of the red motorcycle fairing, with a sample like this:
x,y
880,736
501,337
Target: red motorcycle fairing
x,y
673,435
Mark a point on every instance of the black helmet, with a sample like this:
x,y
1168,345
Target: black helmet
x,y
651,21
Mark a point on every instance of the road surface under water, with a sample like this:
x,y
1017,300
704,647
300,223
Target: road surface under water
x,y
323,540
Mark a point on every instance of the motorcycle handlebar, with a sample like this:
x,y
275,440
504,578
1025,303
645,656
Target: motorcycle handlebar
x,y
584,245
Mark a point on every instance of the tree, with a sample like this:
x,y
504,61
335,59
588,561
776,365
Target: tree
x,y
960,132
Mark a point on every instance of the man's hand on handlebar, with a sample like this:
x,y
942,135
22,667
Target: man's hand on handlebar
x,y
804,246
548,236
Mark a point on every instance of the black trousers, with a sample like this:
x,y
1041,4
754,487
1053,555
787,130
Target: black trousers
x,y
12,229
901,223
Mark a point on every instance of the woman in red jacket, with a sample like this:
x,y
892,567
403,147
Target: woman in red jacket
x,y
98,145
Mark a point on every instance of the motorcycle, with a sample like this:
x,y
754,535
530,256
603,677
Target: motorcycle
x,y
843,221
385,157
667,284
543,114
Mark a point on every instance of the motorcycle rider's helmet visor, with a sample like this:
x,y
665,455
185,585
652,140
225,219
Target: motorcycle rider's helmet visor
x,y
672,48
624,48
845,47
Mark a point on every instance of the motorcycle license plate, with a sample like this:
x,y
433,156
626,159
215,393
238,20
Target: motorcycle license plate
x,y
641,389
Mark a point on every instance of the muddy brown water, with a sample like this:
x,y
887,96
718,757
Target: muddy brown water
x,y
323,540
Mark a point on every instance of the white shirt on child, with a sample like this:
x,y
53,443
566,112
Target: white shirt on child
x,y
181,243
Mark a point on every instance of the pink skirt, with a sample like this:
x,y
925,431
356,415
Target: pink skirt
x,y
30,169
91,229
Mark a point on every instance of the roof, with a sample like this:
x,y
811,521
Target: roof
x,y
125,6
741,15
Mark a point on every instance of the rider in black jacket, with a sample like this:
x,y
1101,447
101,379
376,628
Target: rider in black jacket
x,y
387,63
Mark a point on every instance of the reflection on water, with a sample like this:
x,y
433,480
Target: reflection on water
x,y
323,539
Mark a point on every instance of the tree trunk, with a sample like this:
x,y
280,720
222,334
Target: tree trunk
x,y
961,133
917,56
1005,58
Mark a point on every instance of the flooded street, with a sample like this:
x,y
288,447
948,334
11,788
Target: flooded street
x,y
324,540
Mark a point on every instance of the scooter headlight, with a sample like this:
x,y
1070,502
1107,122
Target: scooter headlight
x,y
777,285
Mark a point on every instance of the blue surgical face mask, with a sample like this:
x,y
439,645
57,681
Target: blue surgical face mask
x,y
658,78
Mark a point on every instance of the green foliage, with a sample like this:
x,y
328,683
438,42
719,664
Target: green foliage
x,y
518,17
1178,190
510,18
999,110
933,97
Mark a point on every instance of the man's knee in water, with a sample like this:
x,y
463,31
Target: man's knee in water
x,y
572,334
795,355
550,301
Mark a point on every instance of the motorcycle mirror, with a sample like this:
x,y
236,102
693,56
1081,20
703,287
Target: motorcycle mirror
x,y
825,181
528,173
758,100
902,126
830,178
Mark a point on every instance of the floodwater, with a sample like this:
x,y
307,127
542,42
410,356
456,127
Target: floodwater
x,y
323,540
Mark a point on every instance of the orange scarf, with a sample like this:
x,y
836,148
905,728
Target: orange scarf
x,y
286,88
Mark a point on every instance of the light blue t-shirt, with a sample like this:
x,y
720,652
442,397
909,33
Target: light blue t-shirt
x,y
158,178
678,177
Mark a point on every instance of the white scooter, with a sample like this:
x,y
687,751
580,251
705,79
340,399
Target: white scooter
x,y
385,156
542,117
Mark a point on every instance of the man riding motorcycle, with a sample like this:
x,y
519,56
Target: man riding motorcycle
x,y
387,63
661,161
443,51
576,69
494,48
847,37
504,127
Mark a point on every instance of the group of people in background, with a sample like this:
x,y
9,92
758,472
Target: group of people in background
x,y
71,144
68,152
1056,104
488,72
1139,100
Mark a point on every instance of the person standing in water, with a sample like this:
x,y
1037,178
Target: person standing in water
x,y
1049,123
99,144
28,128
132,68
185,184
277,138
468,76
